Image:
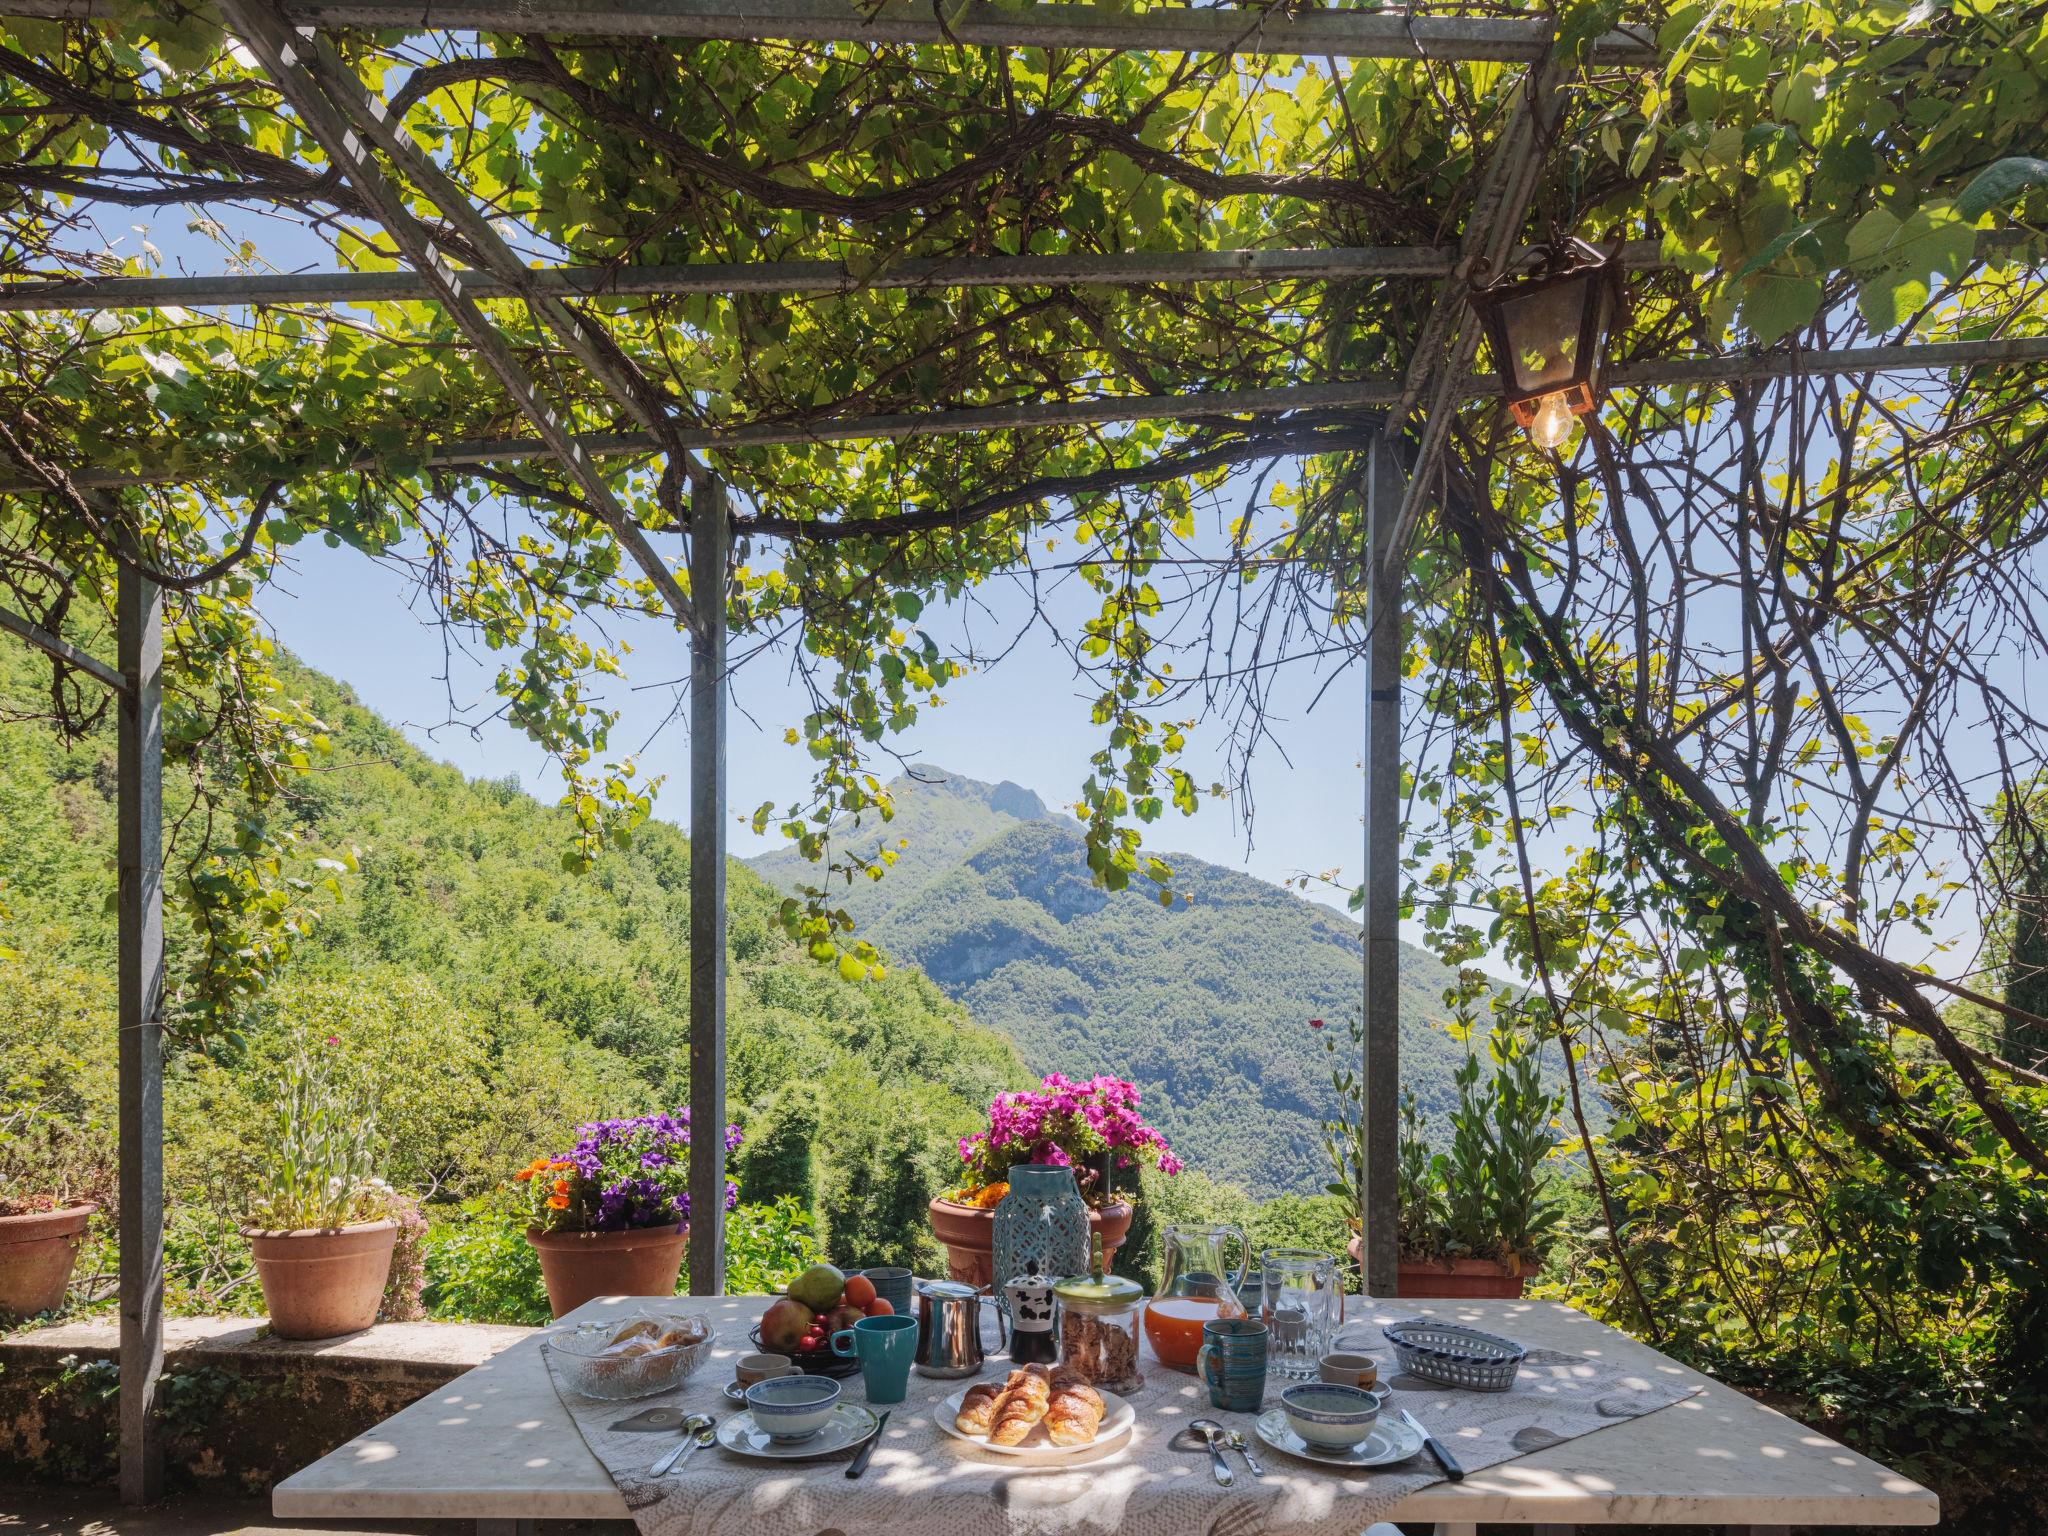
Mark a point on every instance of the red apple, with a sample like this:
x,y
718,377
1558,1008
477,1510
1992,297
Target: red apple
x,y
842,1317
785,1322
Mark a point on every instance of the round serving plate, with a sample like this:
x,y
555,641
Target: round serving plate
x,y
1389,1442
1117,1418
849,1425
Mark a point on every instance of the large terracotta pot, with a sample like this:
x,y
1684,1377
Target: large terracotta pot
x,y
319,1283
1457,1277
36,1255
969,1233
579,1266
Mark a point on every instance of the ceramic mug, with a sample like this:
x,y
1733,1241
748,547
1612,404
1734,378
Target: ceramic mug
x,y
753,1368
1232,1363
885,1347
893,1284
1342,1369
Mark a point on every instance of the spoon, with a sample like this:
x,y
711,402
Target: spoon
x,y
1210,1430
698,1430
1243,1447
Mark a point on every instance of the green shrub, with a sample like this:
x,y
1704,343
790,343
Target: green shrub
x,y
767,1246
480,1268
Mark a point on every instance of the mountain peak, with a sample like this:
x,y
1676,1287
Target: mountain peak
x,y
1007,798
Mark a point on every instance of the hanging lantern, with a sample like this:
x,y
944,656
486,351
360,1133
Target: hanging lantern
x,y
1546,321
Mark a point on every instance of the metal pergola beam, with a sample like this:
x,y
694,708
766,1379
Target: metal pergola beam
x,y
63,650
1335,33
1379,390
1118,270
1438,370
305,73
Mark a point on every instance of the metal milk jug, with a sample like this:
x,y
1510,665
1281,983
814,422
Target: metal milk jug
x,y
948,1329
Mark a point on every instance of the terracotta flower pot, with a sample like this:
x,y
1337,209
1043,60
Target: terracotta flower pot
x,y
1457,1277
37,1252
969,1235
578,1266
320,1283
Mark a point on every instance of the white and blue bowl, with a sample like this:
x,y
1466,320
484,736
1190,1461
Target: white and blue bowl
x,y
1329,1417
792,1408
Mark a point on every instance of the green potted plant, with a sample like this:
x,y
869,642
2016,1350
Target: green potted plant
x,y
54,1172
1092,1128
320,1227
1476,1218
611,1216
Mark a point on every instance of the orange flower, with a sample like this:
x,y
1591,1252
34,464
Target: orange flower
x,y
558,1202
523,1175
561,1186
561,1162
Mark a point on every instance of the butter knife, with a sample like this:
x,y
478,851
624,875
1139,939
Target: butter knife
x,y
860,1462
1435,1447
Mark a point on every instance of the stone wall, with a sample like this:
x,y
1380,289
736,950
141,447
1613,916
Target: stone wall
x,y
241,1409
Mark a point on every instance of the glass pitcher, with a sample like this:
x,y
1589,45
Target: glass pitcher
x,y
1196,1286
1302,1304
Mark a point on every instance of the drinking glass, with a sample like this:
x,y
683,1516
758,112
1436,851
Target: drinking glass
x,y
1301,1306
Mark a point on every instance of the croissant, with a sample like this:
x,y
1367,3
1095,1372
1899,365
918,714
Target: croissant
x,y
978,1408
1022,1406
1075,1412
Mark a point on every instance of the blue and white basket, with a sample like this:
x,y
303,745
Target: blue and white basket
x,y
1455,1355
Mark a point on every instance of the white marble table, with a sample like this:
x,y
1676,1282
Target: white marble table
x,y
495,1446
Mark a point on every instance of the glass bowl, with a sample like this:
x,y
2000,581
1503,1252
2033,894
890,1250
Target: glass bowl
x,y
637,1355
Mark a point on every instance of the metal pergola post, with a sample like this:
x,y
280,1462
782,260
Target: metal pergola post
x,y
140,761
1380,1071
709,565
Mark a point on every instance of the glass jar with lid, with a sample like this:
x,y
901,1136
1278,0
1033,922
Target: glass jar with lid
x,y
1099,1316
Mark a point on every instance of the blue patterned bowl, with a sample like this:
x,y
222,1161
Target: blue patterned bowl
x,y
1330,1417
791,1408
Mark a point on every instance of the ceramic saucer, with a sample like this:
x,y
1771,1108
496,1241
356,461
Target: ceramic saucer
x,y
849,1425
1389,1442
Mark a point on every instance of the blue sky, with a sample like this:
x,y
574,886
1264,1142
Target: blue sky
x,y
1025,719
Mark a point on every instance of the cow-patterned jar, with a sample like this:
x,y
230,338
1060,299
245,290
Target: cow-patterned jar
x,y
1030,1301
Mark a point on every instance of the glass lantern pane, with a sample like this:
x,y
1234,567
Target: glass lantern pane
x,y
1542,325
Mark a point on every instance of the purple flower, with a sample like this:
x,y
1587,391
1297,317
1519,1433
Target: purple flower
x,y
629,1174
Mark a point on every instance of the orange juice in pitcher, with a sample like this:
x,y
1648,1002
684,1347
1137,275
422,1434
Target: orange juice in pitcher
x,y
1195,1287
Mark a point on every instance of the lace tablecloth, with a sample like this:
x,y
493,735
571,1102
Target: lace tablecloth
x,y
923,1482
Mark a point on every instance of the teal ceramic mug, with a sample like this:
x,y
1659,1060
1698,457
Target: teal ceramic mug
x,y
1232,1363
884,1346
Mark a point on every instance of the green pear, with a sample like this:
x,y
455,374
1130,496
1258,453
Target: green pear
x,y
819,1287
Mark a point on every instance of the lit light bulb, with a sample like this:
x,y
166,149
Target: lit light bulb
x,y
1554,423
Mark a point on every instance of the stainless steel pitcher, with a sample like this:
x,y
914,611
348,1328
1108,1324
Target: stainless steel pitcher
x,y
948,1329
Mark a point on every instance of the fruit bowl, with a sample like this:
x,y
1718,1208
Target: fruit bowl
x,y
812,1362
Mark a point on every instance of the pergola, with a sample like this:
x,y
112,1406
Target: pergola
x,y
1405,414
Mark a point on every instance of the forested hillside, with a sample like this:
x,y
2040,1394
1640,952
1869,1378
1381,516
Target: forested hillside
x,y
493,999
1204,1005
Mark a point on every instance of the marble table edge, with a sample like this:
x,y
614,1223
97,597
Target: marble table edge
x,y
316,1493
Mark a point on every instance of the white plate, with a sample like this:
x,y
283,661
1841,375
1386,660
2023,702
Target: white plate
x,y
849,1425
1389,1442
1117,1418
